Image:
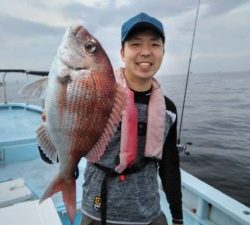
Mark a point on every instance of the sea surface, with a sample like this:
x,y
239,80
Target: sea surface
x,y
217,122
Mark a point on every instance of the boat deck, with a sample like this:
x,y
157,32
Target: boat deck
x,y
37,175
18,121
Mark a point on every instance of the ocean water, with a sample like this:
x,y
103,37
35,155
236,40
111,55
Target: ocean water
x,y
217,122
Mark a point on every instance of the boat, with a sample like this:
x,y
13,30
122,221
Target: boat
x,y
24,176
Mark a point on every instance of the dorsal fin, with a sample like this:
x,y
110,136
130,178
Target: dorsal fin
x,y
115,118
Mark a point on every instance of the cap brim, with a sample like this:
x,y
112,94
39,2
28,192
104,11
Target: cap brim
x,y
144,26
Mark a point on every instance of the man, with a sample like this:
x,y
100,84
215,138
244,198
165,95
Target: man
x,y
133,197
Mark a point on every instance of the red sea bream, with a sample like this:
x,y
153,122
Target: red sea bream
x,y
83,107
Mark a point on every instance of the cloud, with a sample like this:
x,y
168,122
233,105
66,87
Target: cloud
x,y
215,7
25,28
27,44
31,31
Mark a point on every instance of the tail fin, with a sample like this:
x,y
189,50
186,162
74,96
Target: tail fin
x,y
68,188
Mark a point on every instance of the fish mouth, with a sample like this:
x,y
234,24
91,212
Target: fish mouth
x,y
71,66
80,68
76,29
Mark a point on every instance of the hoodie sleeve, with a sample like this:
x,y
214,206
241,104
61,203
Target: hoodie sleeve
x,y
169,169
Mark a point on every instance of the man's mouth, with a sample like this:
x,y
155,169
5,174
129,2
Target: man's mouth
x,y
144,65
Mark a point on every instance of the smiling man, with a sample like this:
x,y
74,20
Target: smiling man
x,y
142,53
132,197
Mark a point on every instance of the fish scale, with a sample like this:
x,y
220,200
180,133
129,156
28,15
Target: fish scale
x,y
84,105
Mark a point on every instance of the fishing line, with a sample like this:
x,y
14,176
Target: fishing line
x,y
183,147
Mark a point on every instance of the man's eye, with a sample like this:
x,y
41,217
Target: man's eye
x,y
155,45
135,44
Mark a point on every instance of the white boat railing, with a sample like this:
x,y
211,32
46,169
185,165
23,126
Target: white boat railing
x,y
7,72
205,205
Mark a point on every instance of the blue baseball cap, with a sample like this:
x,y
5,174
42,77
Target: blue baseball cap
x,y
141,20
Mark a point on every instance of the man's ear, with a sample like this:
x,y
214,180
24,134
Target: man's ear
x,y
122,54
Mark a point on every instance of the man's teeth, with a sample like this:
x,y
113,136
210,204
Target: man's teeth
x,y
145,64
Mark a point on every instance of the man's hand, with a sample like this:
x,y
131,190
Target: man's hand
x,y
43,116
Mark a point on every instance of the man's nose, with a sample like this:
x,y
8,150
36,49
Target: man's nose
x,y
145,51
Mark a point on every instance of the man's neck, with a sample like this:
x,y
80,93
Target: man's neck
x,y
137,84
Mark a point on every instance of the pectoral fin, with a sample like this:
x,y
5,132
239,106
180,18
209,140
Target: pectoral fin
x,y
36,88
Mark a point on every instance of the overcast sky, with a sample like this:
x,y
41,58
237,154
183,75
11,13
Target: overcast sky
x,y
31,31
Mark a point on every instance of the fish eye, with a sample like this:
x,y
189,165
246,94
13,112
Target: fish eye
x,y
90,47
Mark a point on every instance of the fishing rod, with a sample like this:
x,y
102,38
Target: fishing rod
x,y
181,147
33,72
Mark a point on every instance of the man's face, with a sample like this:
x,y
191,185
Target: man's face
x,y
142,55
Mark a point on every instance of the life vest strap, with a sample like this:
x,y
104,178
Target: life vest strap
x,y
109,172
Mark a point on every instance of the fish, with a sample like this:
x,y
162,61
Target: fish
x,y
83,108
